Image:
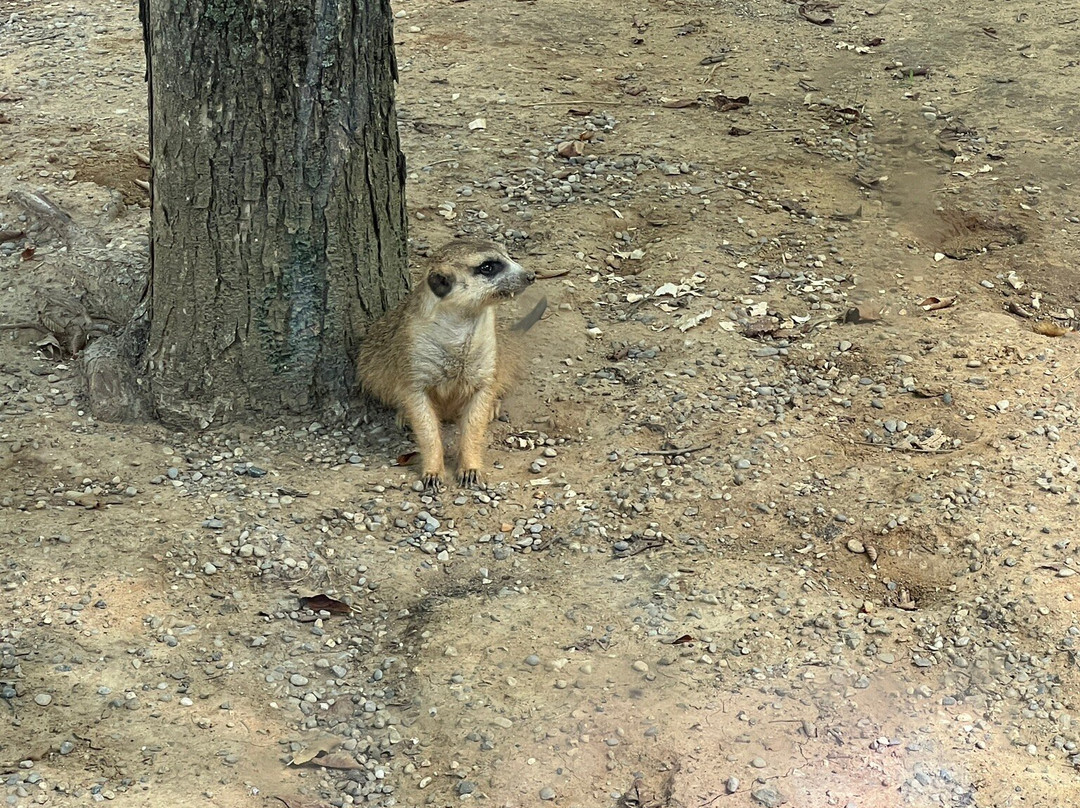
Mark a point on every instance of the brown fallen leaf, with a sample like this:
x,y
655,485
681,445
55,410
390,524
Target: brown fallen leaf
x,y
406,459
726,103
735,131
1015,308
1048,329
580,112
857,315
817,12
937,303
682,103
338,760
714,59
683,640
27,254
10,235
84,500
321,747
325,603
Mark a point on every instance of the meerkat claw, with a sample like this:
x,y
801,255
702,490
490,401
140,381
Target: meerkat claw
x,y
470,478
432,482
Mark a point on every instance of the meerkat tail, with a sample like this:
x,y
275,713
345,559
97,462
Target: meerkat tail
x,y
532,318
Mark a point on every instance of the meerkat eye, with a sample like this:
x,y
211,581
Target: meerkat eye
x,y
489,268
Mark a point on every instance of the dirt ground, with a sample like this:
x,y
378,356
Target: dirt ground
x,y
783,513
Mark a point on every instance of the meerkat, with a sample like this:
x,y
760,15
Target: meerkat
x,y
439,355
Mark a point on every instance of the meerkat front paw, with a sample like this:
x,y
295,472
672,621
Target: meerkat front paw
x,y
470,478
432,481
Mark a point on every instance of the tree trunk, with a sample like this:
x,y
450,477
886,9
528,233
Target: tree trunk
x,y
278,225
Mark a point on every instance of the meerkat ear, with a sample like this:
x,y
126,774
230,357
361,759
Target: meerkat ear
x,y
440,284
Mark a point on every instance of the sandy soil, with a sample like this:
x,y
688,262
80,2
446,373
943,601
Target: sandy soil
x,y
782,515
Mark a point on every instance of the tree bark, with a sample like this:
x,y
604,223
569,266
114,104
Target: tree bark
x,y
278,222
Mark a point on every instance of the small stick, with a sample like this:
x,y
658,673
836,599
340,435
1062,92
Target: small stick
x,y
579,102
916,449
674,452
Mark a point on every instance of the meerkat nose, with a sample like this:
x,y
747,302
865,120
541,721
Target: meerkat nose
x,y
530,277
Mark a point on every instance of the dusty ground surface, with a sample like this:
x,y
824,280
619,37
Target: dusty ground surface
x,y
853,586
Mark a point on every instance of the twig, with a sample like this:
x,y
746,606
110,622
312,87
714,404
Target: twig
x,y
915,449
440,162
673,452
579,102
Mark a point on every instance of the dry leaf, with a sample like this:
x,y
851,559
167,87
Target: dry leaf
x,y
817,12
937,303
726,103
27,254
338,760
405,459
321,747
694,320
682,103
325,603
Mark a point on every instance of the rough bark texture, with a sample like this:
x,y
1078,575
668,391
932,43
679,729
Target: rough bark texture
x,y
278,202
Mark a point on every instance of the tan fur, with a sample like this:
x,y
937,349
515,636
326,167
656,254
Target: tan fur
x,y
444,358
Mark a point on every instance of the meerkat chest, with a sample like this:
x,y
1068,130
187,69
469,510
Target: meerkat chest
x,y
457,353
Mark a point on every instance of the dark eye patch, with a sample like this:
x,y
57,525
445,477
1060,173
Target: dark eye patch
x,y
491,267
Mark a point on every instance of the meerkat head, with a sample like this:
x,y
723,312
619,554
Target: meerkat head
x,y
471,275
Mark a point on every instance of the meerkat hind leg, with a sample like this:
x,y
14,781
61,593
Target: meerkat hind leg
x,y
427,432
473,427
